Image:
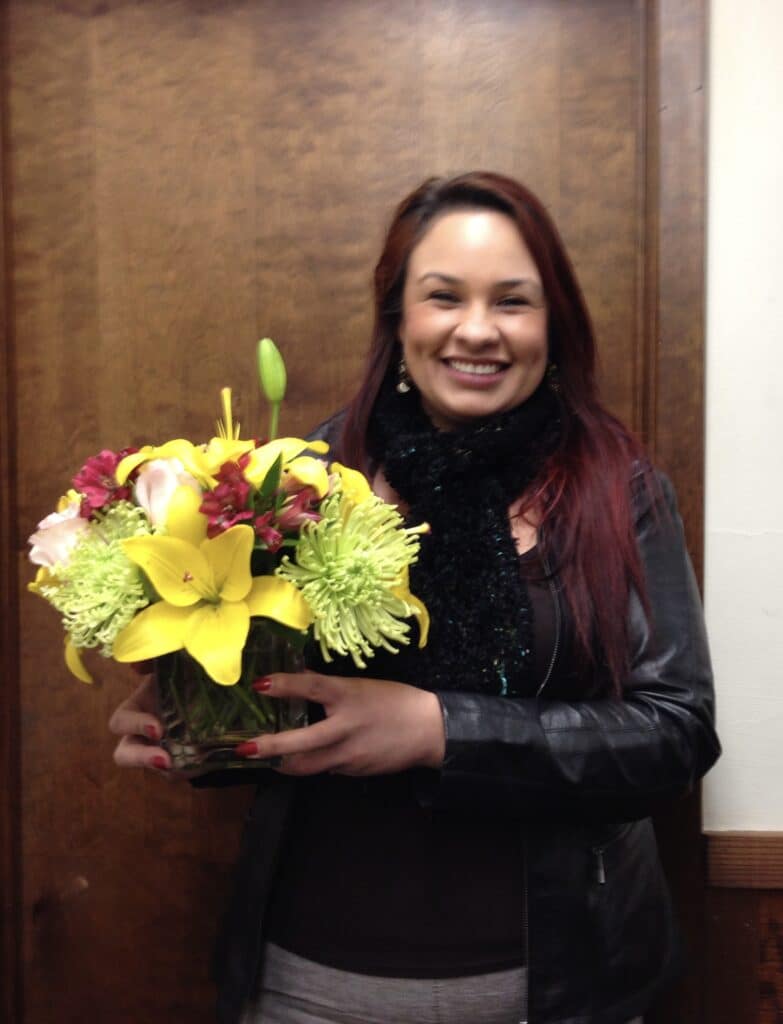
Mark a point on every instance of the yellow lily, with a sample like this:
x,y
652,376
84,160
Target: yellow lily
x,y
286,448
306,471
418,607
207,597
73,660
354,484
187,453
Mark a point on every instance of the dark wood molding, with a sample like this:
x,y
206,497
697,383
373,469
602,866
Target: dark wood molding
x,y
674,388
745,860
10,753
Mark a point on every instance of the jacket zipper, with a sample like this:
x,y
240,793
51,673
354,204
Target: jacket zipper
x,y
558,624
600,870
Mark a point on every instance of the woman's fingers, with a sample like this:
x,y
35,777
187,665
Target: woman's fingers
x,y
140,731
308,685
133,752
294,741
372,726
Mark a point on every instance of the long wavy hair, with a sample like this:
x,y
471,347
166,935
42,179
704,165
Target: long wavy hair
x,y
582,496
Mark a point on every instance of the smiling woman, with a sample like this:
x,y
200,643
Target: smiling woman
x,y
463,834
474,321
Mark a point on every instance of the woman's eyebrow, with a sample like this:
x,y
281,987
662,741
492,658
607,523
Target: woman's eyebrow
x,y
442,277
512,282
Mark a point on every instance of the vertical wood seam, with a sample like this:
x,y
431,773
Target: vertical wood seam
x,y
10,837
649,283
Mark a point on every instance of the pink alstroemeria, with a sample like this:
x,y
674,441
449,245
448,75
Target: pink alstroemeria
x,y
97,483
226,504
299,510
269,535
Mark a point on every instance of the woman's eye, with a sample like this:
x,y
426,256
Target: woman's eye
x,y
444,296
513,300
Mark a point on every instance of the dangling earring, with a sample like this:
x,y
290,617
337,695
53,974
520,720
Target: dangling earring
x,y
553,378
404,383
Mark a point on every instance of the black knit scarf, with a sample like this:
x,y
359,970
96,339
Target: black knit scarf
x,y
462,483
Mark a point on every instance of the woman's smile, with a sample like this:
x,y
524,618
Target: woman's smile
x,y
475,374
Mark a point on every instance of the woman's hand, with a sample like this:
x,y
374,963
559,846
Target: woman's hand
x,y
372,727
140,730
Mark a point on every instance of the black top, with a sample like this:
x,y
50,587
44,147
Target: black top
x,y
372,882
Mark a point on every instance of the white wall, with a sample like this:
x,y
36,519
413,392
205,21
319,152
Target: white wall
x,y
744,510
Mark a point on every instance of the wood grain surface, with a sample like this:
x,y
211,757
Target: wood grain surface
x,y
185,177
745,956
11,983
745,860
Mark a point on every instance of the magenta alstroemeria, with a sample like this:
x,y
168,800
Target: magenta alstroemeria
x,y
299,510
226,504
97,483
269,535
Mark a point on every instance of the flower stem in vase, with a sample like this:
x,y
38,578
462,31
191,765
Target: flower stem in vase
x,y
203,720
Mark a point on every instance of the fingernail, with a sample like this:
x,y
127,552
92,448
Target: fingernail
x,y
159,761
151,732
262,685
246,749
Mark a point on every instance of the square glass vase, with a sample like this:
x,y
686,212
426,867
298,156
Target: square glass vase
x,y
203,721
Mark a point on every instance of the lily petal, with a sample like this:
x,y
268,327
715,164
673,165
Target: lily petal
x,y
223,449
228,555
262,459
355,485
127,465
278,599
309,472
44,576
183,518
177,570
73,659
179,448
402,591
215,637
158,629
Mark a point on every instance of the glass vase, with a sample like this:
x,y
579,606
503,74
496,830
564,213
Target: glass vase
x,y
203,721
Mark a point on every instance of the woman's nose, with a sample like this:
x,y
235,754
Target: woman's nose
x,y
476,327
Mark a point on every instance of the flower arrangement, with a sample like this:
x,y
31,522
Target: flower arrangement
x,y
182,552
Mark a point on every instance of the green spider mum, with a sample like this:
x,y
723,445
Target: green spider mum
x,y
99,590
352,568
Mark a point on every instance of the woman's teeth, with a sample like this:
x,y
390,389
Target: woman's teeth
x,y
477,368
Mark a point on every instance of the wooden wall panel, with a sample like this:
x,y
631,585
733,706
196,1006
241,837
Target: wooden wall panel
x,y
673,389
745,860
187,176
10,837
745,956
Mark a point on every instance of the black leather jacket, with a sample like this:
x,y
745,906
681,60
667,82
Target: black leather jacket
x,y
583,775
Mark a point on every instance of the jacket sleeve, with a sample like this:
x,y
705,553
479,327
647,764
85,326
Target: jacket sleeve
x,y
603,759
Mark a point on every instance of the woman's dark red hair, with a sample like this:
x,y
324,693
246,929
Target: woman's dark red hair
x,y
583,495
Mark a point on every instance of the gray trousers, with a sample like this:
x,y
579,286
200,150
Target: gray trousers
x,y
298,991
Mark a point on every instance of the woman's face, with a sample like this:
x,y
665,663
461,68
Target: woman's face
x,y
474,318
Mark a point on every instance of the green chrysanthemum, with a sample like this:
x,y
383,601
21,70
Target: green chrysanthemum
x,y
352,568
99,590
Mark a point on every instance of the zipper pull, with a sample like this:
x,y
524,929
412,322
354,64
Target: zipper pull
x,y
600,873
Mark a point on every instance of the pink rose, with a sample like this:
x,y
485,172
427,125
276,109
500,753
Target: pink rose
x,y
156,483
56,536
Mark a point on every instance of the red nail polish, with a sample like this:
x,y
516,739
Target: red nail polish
x,y
159,761
246,749
262,685
151,732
